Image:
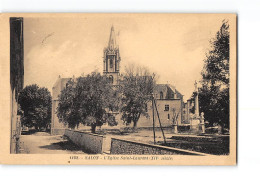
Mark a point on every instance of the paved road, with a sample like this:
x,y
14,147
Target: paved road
x,y
44,143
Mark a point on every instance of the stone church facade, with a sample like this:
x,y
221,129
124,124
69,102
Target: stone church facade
x,y
168,99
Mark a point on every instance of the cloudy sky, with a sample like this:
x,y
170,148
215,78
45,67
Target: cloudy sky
x,y
172,46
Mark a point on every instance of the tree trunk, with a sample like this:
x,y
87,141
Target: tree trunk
x,y
134,125
135,120
93,128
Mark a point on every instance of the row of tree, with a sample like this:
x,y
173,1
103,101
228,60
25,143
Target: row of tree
x,y
91,100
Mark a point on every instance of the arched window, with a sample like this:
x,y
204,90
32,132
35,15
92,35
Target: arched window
x,y
111,62
111,79
161,95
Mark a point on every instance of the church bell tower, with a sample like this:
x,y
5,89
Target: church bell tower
x,y
112,59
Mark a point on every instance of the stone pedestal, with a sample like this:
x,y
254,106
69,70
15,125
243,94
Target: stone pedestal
x,y
202,124
202,128
175,129
194,125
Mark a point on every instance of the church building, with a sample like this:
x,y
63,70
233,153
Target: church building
x,y
169,101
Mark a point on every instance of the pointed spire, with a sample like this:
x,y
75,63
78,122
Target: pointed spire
x,y
196,86
112,39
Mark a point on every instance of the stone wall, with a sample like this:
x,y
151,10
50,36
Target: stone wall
x,y
119,146
91,143
204,139
16,78
57,131
214,144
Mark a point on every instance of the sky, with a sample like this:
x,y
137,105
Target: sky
x,y
172,46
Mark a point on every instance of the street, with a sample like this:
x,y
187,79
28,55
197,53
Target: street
x,y
44,143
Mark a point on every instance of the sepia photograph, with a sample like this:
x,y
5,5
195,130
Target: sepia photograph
x,y
123,87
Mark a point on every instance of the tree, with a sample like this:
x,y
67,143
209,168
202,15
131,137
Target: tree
x,y
86,101
35,102
214,93
175,116
136,89
67,110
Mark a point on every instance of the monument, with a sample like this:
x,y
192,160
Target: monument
x,y
195,118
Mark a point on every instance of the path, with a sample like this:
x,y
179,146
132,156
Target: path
x,y
44,143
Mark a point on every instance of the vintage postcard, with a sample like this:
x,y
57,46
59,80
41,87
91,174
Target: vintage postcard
x,y
118,89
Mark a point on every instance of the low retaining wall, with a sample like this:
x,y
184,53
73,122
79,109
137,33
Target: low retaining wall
x,y
58,131
90,142
216,145
208,138
120,146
